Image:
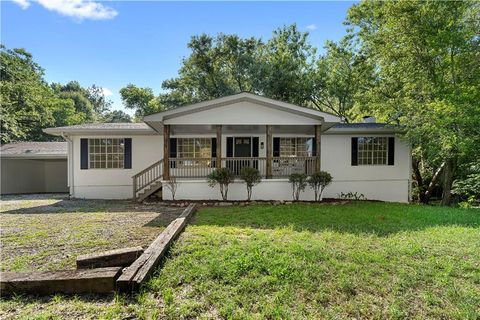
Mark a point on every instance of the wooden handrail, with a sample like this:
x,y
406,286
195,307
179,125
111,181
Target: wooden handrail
x,y
147,176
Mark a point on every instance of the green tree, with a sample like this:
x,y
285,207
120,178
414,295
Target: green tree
x,y
427,76
28,104
339,76
116,116
142,100
286,64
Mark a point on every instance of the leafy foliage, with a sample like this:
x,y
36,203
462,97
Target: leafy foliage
x,y
223,177
299,183
251,177
29,104
426,76
469,187
142,100
318,181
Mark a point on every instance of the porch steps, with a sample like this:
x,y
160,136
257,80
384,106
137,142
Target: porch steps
x,y
151,189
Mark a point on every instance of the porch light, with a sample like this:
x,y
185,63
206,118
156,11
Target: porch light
x,y
261,145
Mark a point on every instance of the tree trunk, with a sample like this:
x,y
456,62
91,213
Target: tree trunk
x,y
448,174
419,180
435,178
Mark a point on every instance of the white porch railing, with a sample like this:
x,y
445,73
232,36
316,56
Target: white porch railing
x,y
282,167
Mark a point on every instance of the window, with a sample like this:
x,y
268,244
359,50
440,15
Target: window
x,y
194,148
296,147
372,150
200,148
106,153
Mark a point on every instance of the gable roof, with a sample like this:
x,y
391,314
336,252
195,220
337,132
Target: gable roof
x,y
240,97
34,150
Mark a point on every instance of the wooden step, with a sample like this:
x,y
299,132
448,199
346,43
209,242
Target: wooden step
x,y
151,189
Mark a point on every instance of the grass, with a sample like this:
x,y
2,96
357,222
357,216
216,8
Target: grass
x,y
356,260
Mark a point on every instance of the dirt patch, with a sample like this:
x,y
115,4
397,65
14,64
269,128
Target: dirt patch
x,y
45,232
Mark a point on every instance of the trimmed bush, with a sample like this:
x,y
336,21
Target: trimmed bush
x,y
318,181
298,182
223,177
251,177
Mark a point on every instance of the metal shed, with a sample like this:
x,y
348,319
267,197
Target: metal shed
x,y
33,167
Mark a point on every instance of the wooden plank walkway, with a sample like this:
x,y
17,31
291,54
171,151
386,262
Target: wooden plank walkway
x,y
140,270
112,258
100,280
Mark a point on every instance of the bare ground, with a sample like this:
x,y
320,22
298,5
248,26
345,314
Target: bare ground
x,y
48,232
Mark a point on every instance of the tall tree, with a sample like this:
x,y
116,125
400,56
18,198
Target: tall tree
x,y
340,75
217,66
28,104
286,63
427,78
142,100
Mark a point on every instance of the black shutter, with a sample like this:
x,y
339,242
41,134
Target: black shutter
x,y
173,148
255,147
391,151
83,154
214,153
127,159
314,147
173,152
276,147
229,146
354,151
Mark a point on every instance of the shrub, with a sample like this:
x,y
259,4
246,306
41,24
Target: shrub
x,y
251,177
299,182
318,181
352,196
223,177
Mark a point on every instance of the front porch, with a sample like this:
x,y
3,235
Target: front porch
x,y
192,153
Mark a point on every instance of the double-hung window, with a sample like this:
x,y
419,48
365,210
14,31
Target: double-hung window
x,y
192,150
106,153
372,150
296,147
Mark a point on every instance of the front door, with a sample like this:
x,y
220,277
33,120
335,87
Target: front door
x,y
242,147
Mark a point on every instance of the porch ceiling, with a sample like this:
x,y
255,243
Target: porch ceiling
x,y
241,129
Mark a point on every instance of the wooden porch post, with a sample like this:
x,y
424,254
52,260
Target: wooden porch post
x,y
219,146
269,151
166,152
318,146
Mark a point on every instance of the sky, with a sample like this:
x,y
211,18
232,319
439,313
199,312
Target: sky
x,y
114,43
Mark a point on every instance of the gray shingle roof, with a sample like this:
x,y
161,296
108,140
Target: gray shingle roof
x,y
101,126
34,149
364,126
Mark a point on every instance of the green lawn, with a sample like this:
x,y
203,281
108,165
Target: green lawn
x,y
357,260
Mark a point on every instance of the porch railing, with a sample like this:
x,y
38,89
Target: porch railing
x,y
282,167
147,176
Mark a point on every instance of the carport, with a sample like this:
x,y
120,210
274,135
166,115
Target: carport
x,y
33,167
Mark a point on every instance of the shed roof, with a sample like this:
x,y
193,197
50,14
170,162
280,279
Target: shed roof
x,y
34,150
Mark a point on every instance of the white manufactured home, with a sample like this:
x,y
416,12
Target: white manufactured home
x,y
132,160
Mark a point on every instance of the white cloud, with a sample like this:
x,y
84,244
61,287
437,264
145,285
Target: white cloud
x,y
24,4
311,27
77,9
107,92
